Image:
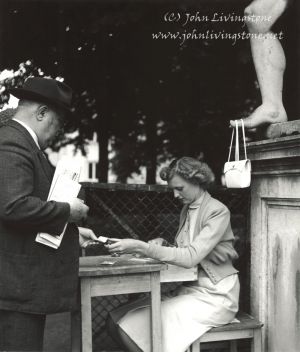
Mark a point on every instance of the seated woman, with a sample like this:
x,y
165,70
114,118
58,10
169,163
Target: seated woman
x,y
196,306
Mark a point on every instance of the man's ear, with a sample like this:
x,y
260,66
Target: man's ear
x,y
41,112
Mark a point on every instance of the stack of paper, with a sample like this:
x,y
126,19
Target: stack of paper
x,y
64,188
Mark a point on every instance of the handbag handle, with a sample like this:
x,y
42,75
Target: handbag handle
x,y
244,139
237,148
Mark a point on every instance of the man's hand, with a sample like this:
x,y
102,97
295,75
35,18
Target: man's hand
x,y
78,210
86,236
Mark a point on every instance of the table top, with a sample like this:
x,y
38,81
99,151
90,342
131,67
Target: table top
x,y
126,264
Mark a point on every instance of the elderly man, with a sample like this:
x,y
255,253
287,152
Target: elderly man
x,y
34,279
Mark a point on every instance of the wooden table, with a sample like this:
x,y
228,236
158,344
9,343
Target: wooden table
x,y
125,275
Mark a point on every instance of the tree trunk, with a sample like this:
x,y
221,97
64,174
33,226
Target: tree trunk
x,y
103,102
61,40
298,55
151,135
3,9
103,139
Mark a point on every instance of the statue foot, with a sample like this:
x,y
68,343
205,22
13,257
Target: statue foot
x,y
263,115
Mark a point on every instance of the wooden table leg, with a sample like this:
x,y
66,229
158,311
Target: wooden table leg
x,y
155,312
86,315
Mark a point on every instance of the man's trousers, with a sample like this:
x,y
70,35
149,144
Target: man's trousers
x,y
21,331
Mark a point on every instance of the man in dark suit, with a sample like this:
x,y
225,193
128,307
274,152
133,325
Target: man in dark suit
x,y
35,279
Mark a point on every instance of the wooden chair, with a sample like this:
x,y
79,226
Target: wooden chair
x,y
247,328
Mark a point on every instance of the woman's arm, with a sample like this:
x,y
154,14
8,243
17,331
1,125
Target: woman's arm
x,y
222,252
129,246
215,226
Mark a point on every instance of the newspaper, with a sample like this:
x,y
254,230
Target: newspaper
x,y
64,188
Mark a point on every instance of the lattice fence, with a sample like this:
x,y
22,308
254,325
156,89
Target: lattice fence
x,y
148,212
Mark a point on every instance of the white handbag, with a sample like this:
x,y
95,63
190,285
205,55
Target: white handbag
x,y
238,172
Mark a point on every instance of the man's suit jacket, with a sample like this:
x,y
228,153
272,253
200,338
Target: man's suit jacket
x,y
33,278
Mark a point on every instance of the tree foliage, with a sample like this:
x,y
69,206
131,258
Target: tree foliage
x,y
149,99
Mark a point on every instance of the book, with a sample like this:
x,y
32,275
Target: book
x,y
64,188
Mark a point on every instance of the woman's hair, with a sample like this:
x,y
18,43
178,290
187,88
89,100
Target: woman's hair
x,y
190,169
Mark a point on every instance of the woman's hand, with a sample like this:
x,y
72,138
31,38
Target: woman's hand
x,y
86,237
159,241
127,246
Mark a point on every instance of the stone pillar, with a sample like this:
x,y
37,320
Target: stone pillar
x,y
275,240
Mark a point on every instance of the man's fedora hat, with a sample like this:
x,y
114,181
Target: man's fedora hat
x,y
45,90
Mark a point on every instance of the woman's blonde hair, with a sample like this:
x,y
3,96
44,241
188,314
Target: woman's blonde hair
x,y
190,169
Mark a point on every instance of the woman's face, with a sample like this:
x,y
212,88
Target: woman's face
x,y
184,190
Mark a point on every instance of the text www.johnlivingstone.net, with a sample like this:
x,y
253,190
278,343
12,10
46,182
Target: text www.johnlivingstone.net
x,y
184,36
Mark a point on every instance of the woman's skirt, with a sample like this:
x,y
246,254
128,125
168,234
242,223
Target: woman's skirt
x,y
185,317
